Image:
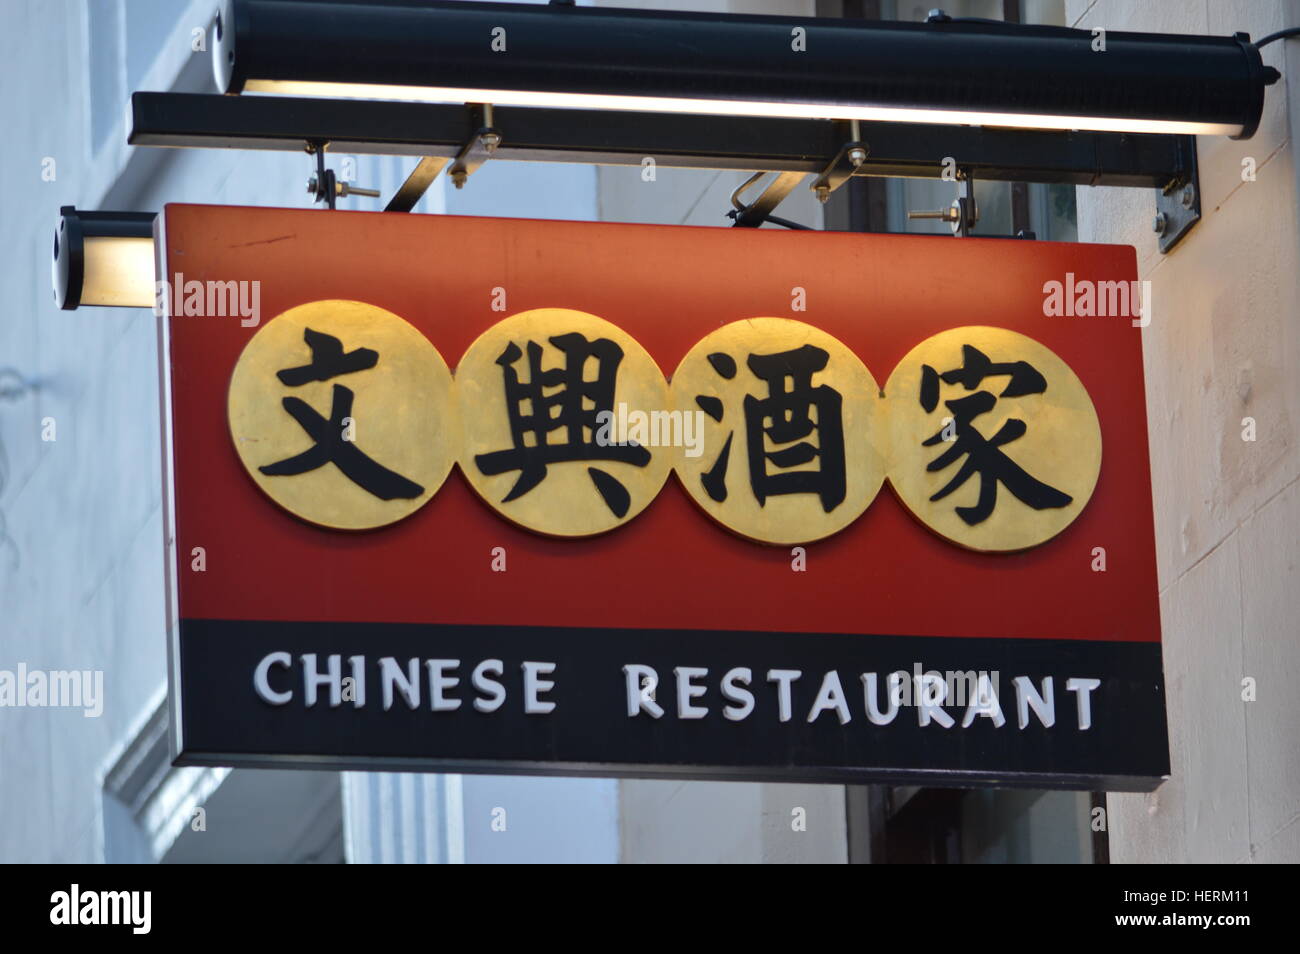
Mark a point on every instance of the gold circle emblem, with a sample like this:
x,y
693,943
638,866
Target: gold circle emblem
x,y
344,414
559,424
994,444
791,430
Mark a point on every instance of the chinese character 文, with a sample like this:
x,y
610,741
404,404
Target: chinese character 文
x,y
330,445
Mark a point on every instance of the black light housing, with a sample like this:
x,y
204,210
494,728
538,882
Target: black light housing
x,y
103,258
949,71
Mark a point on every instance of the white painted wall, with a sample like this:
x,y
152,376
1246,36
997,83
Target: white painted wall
x,y
1224,344
81,572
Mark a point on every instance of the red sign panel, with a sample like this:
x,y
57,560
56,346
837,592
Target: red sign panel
x,y
670,589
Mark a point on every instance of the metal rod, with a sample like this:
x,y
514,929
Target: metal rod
x,y
756,213
416,184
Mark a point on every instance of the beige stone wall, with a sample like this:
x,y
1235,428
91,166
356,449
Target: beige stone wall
x,y
1223,345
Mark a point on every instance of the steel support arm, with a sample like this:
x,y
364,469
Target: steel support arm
x,y
623,138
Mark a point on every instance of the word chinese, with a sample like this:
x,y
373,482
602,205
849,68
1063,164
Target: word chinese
x,y
432,684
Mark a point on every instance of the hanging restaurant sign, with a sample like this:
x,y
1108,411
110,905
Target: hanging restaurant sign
x,y
447,511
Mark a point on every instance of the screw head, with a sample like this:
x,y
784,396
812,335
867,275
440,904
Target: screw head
x,y
1188,197
857,157
1159,223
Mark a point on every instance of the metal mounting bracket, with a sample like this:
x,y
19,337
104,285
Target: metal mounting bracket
x,y
389,128
479,148
756,213
1178,205
324,185
848,162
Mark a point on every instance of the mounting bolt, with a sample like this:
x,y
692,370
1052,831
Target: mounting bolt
x,y
1159,224
458,177
340,188
951,214
1188,197
491,140
823,193
857,156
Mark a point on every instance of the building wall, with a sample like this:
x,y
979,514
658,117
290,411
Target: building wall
x,y
81,565
1223,345
80,527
